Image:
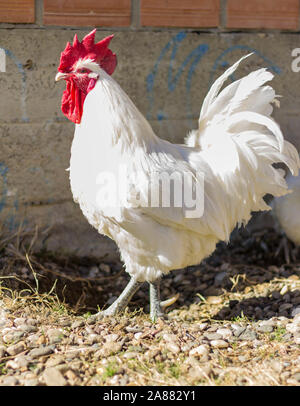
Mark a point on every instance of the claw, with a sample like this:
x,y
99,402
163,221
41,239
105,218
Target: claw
x,y
170,301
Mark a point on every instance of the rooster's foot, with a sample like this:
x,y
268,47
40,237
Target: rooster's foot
x,y
284,247
155,307
122,301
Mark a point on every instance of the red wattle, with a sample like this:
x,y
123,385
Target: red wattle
x,y
73,100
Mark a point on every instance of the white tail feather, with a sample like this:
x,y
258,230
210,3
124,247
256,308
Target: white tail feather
x,y
240,141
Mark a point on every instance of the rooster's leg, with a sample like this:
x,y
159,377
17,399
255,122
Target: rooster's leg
x,y
122,301
155,309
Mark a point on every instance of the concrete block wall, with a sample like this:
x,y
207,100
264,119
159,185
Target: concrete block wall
x,y
169,52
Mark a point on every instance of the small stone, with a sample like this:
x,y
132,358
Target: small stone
x,y
202,326
18,321
134,329
293,278
292,381
296,376
38,352
10,381
283,321
22,361
285,306
12,364
276,365
213,328
55,360
105,268
212,336
248,335
220,278
199,351
219,344
13,337
297,318
270,322
297,340
265,328
54,377
109,348
77,324
238,330
16,348
276,295
111,337
27,328
187,346
295,311
93,339
292,327
169,337
89,330
31,382
286,337
224,332
130,355
214,300
65,323
174,348
55,335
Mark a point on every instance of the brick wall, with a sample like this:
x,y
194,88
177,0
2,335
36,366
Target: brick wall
x,y
224,15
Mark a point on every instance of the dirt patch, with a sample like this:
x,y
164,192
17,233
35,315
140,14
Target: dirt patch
x,y
236,321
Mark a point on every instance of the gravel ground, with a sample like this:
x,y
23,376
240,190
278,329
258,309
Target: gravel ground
x,y
236,320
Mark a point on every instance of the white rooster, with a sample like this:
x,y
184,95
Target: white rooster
x,y
286,211
233,150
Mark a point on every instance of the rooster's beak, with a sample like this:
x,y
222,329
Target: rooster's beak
x,y
60,76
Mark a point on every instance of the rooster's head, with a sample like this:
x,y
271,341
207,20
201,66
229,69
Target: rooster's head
x,y
79,66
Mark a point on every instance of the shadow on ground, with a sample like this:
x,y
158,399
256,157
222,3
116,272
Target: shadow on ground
x,y
248,262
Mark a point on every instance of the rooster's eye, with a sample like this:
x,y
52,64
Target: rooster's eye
x,y
83,70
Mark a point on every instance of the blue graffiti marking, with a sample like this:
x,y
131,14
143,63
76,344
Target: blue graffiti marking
x,y
161,115
23,78
3,172
194,57
222,62
11,221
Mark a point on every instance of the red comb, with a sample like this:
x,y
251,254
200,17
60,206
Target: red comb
x,y
98,52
